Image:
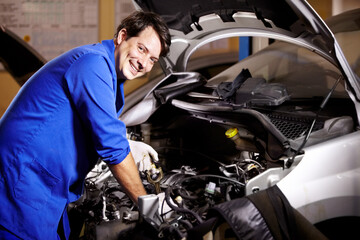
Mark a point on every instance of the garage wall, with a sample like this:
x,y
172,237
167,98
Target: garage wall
x,y
323,7
8,86
8,90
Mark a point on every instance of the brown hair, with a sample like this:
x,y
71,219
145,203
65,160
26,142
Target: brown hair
x,y
139,20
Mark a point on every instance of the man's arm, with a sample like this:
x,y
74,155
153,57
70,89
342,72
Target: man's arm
x,y
127,174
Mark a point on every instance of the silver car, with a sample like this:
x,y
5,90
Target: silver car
x,y
296,116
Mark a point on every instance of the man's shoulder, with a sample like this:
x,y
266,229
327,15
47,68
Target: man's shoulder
x,y
96,49
91,56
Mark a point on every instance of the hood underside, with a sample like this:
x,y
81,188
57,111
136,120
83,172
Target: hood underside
x,y
11,48
180,15
293,19
194,23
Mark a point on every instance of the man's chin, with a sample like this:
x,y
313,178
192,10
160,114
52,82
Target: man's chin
x,y
128,76
136,76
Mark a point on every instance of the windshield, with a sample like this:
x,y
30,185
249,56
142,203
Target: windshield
x,y
303,73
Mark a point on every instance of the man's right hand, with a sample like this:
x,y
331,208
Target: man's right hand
x,y
143,154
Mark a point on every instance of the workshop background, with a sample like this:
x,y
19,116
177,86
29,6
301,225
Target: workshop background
x,y
55,26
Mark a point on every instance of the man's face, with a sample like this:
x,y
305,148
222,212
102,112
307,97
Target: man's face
x,y
136,56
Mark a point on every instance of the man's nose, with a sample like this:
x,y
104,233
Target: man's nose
x,y
142,62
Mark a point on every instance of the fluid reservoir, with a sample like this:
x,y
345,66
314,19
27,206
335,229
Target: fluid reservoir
x,y
233,134
241,139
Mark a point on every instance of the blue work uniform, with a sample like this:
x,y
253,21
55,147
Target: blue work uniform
x,y
60,123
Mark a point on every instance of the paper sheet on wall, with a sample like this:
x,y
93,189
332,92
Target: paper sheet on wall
x,y
122,9
52,27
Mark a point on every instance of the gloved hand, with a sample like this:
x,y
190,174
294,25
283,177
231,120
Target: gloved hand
x,y
143,154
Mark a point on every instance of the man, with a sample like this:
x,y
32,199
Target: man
x,y
64,119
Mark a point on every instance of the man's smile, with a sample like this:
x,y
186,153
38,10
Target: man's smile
x,y
134,70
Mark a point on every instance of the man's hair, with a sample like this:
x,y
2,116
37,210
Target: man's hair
x,y
139,20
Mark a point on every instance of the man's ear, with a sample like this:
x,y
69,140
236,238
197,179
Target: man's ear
x,y
121,36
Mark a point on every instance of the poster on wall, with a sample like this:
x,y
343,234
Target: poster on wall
x,y
52,27
122,9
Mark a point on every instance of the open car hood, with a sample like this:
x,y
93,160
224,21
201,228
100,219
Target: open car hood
x,y
194,23
18,57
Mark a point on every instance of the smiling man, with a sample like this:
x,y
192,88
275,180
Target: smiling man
x,y
64,119
137,55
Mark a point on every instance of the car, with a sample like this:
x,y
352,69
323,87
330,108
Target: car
x,y
297,116
285,116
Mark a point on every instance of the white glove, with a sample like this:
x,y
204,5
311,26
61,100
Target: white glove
x,y
143,155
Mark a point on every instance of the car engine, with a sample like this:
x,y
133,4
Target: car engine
x,y
186,183
209,151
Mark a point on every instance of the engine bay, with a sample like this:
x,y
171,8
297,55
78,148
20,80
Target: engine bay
x,y
209,150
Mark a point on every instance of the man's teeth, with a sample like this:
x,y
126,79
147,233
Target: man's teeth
x,y
133,67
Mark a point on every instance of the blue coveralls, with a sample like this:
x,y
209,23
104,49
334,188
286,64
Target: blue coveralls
x,y
60,123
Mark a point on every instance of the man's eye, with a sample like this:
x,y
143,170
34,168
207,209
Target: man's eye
x,y
141,49
153,60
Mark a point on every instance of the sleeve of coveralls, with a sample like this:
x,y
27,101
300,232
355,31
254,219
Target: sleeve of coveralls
x,y
92,89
